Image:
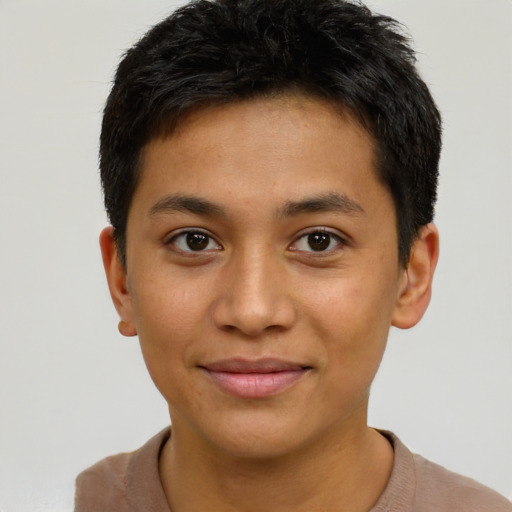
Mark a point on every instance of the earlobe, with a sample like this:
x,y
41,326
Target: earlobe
x,y
116,278
415,291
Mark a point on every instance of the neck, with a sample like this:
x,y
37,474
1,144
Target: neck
x,y
338,473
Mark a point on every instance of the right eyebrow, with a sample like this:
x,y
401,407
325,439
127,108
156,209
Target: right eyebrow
x,y
188,204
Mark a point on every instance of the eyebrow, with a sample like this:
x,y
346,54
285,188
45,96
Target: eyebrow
x,y
188,204
332,202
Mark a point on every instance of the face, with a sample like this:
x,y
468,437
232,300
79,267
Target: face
x,y
262,274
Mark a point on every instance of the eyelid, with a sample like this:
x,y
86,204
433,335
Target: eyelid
x,y
171,237
342,240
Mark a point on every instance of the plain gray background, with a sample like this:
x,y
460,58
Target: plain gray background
x,y
72,390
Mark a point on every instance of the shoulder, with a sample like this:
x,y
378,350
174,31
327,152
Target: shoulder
x,y
418,485
440,489
123,482
103,483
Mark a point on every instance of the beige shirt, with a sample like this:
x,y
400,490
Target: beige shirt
x,y
129,482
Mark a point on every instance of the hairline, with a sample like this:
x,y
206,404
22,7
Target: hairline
x,y
169,125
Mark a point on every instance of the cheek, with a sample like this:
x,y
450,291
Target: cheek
x,y
351,310
169,302
168,316
353,320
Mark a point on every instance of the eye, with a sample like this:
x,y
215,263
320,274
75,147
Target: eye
x,y
194,241
317,241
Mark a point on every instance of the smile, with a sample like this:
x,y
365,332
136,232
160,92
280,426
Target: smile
x,y
255,379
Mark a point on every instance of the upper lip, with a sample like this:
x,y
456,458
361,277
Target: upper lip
x,y
265,365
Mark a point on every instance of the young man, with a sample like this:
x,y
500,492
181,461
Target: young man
x,y
270,170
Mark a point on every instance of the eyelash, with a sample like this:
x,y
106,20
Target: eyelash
x,y
192,232
340,241
332,236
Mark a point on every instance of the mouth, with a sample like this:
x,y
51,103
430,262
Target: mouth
x,y
255,379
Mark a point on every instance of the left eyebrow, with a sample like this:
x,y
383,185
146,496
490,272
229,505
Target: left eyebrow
x,y
331,202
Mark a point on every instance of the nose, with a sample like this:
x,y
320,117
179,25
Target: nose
x,y
253,298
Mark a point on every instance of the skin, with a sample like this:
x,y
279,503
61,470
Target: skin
x,y
275,171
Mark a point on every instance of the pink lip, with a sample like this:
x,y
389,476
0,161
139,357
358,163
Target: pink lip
x,y
255,379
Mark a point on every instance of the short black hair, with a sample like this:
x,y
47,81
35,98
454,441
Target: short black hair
x,y
222,51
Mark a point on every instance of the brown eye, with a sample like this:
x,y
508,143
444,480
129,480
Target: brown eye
x,y
319,241
197,241
194,241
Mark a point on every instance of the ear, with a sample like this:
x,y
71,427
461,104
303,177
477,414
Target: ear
x,y
116,277
416,287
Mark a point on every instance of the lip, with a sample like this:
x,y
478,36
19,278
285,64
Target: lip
x,y
255,379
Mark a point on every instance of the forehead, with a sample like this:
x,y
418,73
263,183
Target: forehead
x,y
270,114
266,149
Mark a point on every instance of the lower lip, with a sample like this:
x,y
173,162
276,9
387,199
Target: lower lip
x,y
256,385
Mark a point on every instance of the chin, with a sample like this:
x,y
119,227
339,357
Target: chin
x,y
254,437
